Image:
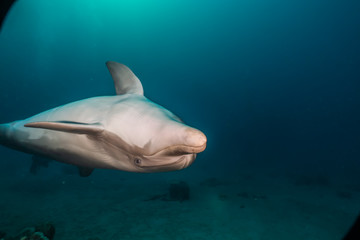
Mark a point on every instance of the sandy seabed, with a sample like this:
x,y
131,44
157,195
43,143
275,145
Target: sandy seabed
x,y
116,205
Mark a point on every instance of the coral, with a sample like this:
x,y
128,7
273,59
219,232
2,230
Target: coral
x,y
38,236
47,229
41,232
179,191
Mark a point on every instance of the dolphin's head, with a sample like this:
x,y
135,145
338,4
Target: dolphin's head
x,y
172,147
155,139
152,138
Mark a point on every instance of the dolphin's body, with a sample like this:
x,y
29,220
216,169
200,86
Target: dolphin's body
x,y
126,132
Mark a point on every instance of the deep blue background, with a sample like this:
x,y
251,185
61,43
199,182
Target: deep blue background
x,y
273,84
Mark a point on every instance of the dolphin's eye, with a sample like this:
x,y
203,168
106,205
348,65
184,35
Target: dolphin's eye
x,y
137,161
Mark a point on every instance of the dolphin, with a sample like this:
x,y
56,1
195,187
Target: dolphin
x,y
126,132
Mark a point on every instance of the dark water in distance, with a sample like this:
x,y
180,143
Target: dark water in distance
x,y
273,84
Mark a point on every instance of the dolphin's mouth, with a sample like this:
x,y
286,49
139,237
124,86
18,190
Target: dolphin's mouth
x,y
179,150
181,163
155,165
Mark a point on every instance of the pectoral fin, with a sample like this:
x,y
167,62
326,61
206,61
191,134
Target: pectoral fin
x,y
70,127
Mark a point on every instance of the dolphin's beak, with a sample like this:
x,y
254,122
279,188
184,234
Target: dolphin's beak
x,y
195,140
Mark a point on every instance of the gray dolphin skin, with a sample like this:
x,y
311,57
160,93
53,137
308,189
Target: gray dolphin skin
x,y
126,132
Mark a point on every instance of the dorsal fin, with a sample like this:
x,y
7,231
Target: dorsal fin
x,y
124,79
70,127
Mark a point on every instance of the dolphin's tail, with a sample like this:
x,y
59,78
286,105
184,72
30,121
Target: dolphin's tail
x,y
3,132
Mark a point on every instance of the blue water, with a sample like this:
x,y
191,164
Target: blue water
x,y
273,84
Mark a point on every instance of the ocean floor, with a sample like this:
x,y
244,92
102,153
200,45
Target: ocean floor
x,y
118,205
